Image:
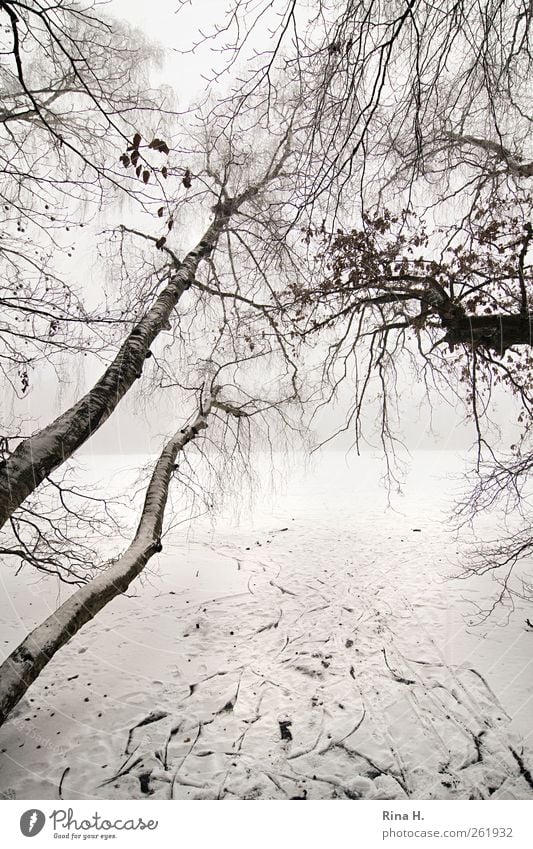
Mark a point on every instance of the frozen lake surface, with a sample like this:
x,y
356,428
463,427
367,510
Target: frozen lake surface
x,y
314,647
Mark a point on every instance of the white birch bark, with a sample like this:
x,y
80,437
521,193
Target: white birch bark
x,y
25,663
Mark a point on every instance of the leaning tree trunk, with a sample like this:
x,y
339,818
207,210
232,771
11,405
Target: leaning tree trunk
x,y
36,457
24,664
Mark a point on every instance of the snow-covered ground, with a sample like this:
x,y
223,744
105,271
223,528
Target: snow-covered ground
x,y
314,649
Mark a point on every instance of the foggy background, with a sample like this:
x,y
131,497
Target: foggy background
x,y
139,427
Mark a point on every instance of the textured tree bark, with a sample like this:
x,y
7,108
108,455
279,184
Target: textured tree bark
x,y
495,332
36,457
24,664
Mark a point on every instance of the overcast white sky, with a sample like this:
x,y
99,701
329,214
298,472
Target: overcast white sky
x,y
177,32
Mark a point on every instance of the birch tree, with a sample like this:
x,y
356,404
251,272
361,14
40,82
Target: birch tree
x,y
24,664
73,87
36,457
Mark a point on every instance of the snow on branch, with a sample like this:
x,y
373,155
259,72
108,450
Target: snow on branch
x,y
25,663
